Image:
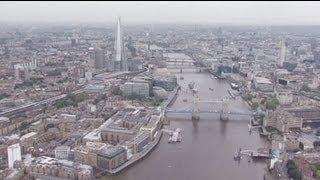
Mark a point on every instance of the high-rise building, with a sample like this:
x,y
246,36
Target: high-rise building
x,y
73,42
96,56
21,73
316,56
313,43
120,60
283,50
220,37
14,154
6,52
99,58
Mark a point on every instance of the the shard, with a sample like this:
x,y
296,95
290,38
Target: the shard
x,y
120,60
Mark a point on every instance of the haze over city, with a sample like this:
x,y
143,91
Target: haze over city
x,y
249,13
160,90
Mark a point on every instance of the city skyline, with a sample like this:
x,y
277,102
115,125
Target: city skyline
x,y
160,90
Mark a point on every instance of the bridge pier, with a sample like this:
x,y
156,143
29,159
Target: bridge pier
x,y
165,120
195,117
223,116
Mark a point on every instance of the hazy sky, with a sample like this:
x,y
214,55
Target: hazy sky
x,y
162,12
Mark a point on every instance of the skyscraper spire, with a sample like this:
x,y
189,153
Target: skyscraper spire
x,y
120,61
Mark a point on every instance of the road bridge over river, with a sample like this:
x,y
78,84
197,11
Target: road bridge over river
x,y
224,112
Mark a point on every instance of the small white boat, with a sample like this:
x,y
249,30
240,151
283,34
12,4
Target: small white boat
x,y
194,90
191,85
175,136
234,86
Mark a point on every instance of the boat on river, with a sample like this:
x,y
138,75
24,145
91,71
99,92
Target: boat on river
x,y
191,85
234,86
175,136
194,90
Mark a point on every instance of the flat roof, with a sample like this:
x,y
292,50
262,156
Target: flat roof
x,y
117,129
6,119
140,136
62,148
28,135
263,80
111,152
93,135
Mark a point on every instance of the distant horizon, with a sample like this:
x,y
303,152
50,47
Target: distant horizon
x,y
147,23
263,13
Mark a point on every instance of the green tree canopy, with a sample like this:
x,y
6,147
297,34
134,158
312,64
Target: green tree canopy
x,y
272,103
305,88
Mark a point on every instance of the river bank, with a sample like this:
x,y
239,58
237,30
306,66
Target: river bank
x,y
148,149
134,159
208,145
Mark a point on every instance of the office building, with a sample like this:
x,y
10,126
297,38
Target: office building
x,y
263,84
111,157
96,56
283,50
135,89
62,152
14,154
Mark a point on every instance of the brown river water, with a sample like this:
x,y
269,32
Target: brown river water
x,y
208,145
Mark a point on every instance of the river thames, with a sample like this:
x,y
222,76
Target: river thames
x,y
208,145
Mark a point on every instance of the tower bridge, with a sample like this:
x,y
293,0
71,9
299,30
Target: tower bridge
x,y
224,113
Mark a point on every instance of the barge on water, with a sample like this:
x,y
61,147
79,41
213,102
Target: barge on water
x,y
175,136
234,86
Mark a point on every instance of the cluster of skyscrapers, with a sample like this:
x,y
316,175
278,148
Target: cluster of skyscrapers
x,y
119,62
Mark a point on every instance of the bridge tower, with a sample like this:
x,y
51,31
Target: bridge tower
x,y
224,111
195,109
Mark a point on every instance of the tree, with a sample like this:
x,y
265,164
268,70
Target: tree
x,y
316,143
293,171
318,174
24,125
116,90
290,164
3,95
247,97
255,105
295,174
289,66
272,103
305,88
70,100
